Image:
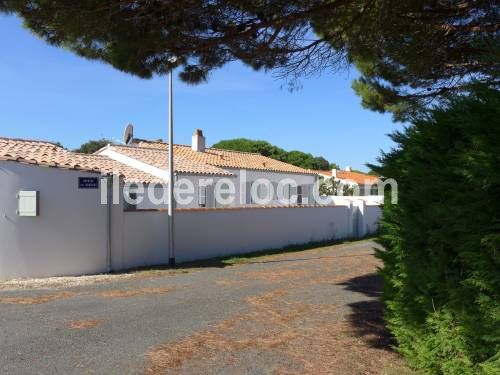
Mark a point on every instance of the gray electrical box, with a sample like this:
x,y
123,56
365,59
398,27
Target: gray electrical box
x,y
28,203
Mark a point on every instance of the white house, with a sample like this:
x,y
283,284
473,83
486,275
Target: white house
x,y
367,184
62,214
243,170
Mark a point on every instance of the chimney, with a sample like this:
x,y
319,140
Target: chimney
x,y
334,172
348,168
198,141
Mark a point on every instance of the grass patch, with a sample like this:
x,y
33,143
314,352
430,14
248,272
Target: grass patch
x,y
235,259
262,254
164,269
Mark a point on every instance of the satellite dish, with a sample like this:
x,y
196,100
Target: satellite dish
x,y
128,135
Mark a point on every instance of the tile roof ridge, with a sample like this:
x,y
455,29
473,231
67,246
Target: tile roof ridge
x,y
189,146
355,172
240,152
162,151
136,147
208,148
97,156
158,142
14,139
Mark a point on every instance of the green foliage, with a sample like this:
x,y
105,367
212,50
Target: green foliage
x,y
442,239
298,158
334,187
249,145
92,146
412,52
321,163
408,52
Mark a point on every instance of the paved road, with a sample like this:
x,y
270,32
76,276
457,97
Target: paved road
x,y
314,311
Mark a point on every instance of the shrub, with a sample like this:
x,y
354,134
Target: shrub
x,y
442,239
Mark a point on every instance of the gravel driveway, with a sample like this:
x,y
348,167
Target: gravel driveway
x,y
315,311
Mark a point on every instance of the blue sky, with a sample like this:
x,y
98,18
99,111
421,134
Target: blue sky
x,y
49,93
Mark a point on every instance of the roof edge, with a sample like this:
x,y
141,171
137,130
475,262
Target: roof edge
x,y
30,140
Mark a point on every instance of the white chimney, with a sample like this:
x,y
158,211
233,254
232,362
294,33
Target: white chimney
x,y
348,168
334,172
198,141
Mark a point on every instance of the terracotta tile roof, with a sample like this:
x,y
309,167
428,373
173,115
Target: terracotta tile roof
x,y
47,154
227,159
158,158
324,173
357,177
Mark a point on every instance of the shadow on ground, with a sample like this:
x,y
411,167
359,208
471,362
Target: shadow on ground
x,y
253,257
367,317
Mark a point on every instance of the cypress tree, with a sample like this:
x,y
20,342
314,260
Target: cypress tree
x,y
442,239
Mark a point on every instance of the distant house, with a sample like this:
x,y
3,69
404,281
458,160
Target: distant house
x,y
255,177
367,184
196,161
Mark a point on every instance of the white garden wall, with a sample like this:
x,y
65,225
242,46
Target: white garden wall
x,y
371,217
145,238
203,234
68,238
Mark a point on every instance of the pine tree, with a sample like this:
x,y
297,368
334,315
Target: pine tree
x,y
408,52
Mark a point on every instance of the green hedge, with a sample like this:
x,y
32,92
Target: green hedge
x,y
442,239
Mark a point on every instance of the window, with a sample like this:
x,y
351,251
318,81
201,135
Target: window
x,y
287,192
299,194
374,189
224,197
202,196
206,197
262,192
306,191
248,194
275,192
131,203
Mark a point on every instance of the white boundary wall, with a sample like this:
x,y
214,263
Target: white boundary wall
x,y
215,233
203,234
70,235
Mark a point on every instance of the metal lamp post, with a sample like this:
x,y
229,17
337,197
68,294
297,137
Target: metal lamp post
x,y
171,227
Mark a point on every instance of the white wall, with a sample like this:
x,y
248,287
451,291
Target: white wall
x,y
68,238
371,218
70,235
161,192
239,179
202,234
249,176
374,200
145,239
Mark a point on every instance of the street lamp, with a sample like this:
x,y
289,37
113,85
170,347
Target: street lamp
x,y
171,228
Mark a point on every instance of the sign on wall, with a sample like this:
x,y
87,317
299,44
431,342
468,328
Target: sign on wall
x,y
88,182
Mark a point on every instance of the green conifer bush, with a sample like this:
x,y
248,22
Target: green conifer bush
x,y
442,239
